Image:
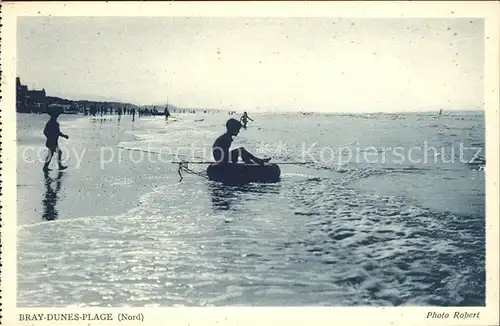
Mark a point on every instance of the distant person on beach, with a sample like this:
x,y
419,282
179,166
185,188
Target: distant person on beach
x,y
244,119
223,155
52,132
167,113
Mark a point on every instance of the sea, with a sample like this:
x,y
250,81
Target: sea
x,y
371,210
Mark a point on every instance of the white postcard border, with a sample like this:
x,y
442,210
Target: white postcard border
x,y
246,315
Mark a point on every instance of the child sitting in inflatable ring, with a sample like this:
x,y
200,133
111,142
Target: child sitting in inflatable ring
x,y
223,155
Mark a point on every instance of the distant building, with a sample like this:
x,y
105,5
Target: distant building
x,y
21,96
30,100
37,101
35,96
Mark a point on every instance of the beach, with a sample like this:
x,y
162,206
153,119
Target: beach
x,y
379,210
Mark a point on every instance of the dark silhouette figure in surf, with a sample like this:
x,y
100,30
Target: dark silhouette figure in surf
x,y
167,113
244,119
51,196
53,132
223,155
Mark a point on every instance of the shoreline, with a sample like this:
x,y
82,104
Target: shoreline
x,y
426,112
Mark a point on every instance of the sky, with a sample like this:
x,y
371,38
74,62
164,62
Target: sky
x,y
258,64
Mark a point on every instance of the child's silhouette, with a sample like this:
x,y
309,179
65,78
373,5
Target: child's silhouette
x,y
244,119
220,149
52,132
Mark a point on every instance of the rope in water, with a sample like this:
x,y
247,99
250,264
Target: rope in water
x,y
208,162
183,165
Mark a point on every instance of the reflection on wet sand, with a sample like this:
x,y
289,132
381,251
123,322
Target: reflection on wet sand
x,y
51,196
225,197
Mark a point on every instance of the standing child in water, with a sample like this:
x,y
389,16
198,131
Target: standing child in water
x,y
244,119
220,149
52,132
166,112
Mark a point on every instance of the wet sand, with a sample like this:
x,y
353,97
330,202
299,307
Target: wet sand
x,y
87,189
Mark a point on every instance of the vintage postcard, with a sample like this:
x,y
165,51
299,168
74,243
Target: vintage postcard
x,y
247,163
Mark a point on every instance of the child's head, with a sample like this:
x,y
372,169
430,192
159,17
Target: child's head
x,y
54,113
233,127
